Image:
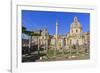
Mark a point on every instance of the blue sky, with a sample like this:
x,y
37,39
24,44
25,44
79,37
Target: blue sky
x,y
34,20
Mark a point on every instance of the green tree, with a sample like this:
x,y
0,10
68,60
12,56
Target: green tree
x,y
23,29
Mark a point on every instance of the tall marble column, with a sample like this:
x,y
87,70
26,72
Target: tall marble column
x,y
57,34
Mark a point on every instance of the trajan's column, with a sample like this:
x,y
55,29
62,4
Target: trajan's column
x,y
57,47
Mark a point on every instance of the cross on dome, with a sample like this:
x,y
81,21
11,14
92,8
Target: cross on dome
x,y
75,19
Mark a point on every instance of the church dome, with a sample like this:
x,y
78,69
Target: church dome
x,y
75,23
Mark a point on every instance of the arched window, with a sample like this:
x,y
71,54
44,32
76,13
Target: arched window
x,y
70,41
76,30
